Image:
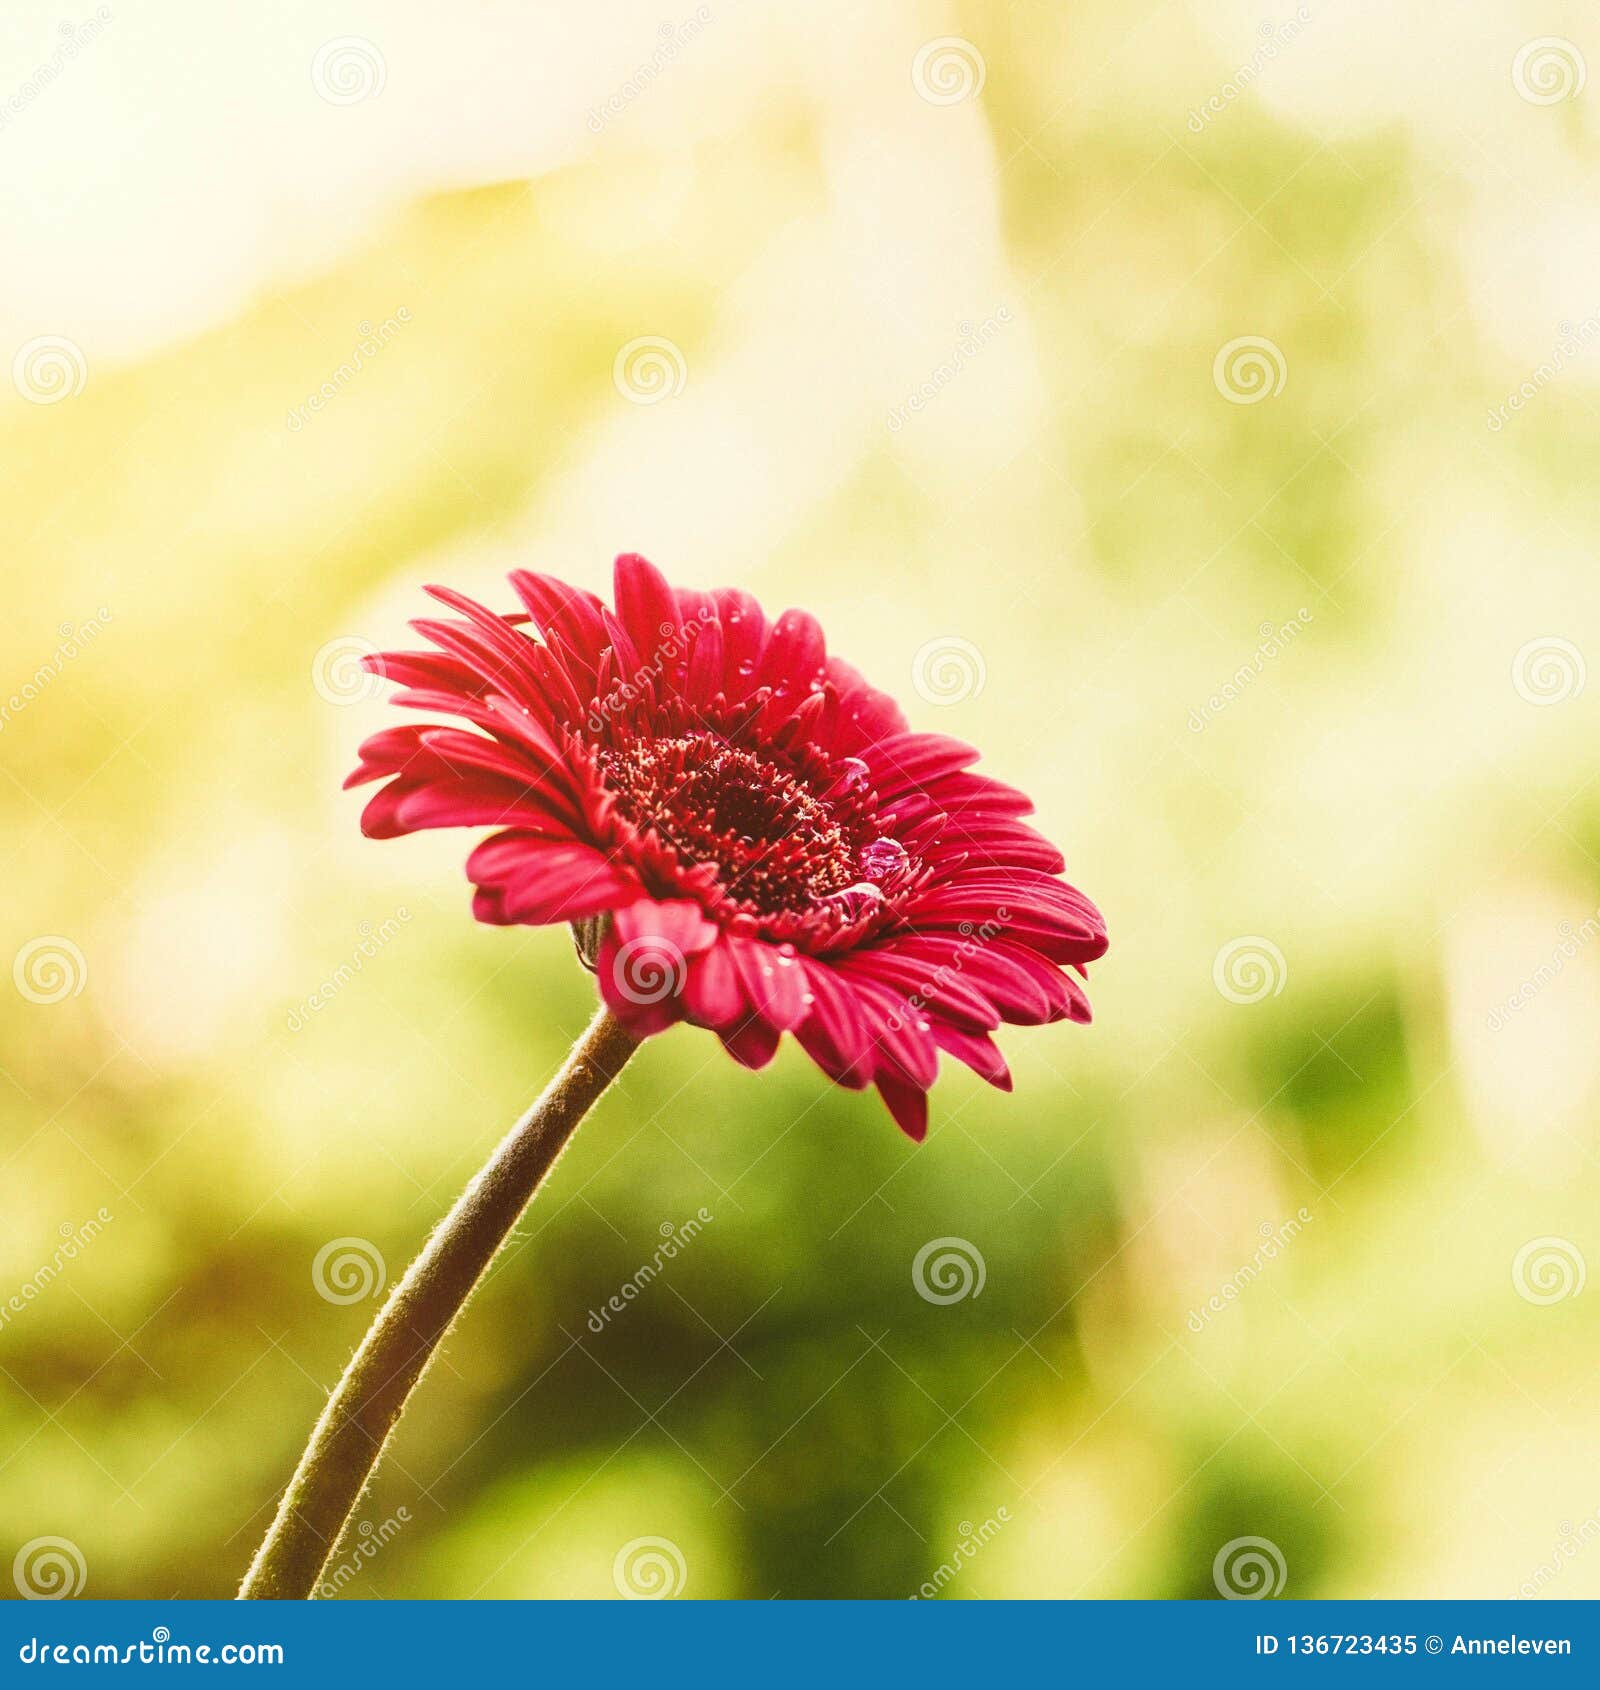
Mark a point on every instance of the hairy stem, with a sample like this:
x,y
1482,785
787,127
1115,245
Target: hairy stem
x,y
348,1440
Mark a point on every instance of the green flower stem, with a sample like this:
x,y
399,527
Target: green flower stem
x,y
348,1440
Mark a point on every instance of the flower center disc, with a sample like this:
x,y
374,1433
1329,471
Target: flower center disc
x,y
778,844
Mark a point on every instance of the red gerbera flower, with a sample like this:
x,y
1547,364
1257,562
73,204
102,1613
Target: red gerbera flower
x,y
749,835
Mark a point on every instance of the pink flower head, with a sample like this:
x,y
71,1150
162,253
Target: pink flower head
x,y
759,841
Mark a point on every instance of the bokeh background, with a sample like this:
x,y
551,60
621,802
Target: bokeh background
x,y
1130,389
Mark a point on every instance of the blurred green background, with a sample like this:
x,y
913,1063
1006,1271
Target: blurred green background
x,y
1351,867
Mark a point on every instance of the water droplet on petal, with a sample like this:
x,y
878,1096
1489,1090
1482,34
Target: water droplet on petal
x,y
854,902
882,858
851,775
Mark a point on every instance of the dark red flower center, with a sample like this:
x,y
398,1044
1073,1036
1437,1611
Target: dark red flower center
x,y
781,838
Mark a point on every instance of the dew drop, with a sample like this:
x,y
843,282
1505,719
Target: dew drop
x,y
882,858
854,902
852,776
